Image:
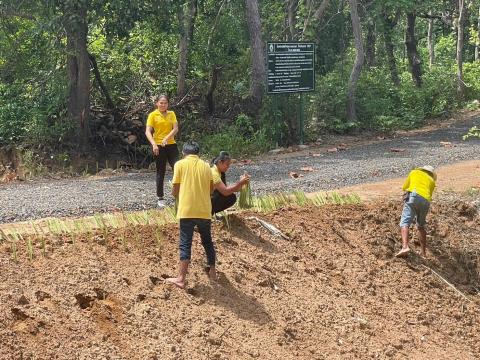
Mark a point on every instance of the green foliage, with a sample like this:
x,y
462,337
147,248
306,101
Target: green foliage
x,y
32,163
135,44
32,117
13,114
445,50
383,106
239,139
474,132
139,66
471,76
32,85
330,102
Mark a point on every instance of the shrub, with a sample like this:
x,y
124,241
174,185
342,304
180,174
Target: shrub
x,y
383,106
474,132
240,139
14,114
471,77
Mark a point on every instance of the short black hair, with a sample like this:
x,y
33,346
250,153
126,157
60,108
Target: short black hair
x,y
191,148
223,156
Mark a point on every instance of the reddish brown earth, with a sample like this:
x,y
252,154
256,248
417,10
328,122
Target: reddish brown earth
x,y
334,291
459,177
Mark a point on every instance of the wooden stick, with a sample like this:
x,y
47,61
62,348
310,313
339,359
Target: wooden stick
x,y
275,231
448,283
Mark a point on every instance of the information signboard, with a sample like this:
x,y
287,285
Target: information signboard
x,y
290,67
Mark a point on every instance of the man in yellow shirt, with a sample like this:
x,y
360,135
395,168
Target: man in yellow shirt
x,y
419,187
192,186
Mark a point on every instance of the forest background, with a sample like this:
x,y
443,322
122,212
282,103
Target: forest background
x,y
78,78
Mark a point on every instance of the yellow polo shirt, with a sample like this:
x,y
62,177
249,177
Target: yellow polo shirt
x,y
421,182
162,125
195,178
216,176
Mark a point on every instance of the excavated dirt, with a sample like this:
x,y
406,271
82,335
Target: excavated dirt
x,y
333,291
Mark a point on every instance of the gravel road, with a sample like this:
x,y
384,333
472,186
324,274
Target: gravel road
x,y
136,191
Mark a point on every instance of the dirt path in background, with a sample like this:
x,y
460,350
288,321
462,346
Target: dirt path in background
x,y
459,177
319,168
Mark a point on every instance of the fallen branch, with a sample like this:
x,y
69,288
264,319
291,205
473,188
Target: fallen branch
x,y
275,231
448,283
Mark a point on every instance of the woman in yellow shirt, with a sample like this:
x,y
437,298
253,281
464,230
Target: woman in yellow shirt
x,y
162,126
223,196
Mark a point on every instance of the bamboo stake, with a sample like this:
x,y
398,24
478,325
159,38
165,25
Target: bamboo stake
x,y
448,283
275,231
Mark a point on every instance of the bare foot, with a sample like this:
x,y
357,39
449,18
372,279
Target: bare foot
x,y
212,275
403,252
177,282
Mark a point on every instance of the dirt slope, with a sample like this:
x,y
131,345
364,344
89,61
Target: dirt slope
x,y
334,291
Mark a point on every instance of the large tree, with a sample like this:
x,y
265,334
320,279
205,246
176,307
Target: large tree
x,y
477,40
413,56
389,22
430,41
462,12
186,19
74,20
359,60
257,55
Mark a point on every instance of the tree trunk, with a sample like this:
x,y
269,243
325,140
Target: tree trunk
x,y
321,10
431,45
317,15
412,53
462,10
359,59
371,43
477,43
101,84
78,70
257,57
211,89
186,23
388,26
291,19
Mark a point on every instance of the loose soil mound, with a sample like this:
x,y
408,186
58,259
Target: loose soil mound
x,y
334,290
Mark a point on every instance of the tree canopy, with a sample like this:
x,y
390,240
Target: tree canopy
x,y
84,73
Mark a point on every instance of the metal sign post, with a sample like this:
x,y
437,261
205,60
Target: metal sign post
x,y
302,118
291,69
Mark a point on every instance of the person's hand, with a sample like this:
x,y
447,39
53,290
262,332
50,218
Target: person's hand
x,y
164,142
155,149
245,178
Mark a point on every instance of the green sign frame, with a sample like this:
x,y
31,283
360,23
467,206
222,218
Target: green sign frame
x,y
290,67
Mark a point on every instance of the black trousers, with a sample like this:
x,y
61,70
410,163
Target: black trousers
x,y
204,227
220,202
168,153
